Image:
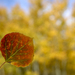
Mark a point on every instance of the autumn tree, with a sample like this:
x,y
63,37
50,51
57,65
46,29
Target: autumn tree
x,y
54,38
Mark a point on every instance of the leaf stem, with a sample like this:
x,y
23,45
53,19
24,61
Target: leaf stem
x,y
2,64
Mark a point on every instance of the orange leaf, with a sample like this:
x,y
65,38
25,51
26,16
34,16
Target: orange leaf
x,y
17,49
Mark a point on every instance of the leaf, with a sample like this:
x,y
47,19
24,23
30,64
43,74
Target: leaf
x,y
17,49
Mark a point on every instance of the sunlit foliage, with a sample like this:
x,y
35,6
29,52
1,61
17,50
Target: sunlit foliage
x,y
53,35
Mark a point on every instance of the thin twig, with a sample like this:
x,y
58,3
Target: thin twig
x,y
2,64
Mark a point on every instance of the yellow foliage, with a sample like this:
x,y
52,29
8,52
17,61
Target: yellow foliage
x,y
31,73
54,40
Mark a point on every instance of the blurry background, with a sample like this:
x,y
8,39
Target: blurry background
x,y
51,23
